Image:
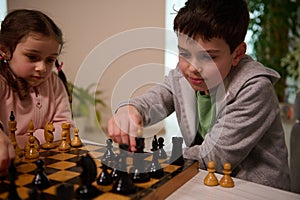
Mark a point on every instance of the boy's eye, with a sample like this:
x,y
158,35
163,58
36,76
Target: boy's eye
x,y
184,54
205,57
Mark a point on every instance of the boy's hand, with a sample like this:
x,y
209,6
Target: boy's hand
x,y
7,153
123,126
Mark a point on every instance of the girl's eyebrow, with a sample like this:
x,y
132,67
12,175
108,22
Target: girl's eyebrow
x,y
36,51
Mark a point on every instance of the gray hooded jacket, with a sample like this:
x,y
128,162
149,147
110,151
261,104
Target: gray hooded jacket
x,y
248,132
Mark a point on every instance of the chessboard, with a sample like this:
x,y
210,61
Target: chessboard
x,y
63,171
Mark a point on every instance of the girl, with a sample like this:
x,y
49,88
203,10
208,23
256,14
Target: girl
x,y
30,43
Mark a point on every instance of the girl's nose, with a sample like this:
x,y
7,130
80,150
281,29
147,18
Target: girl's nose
x,y
40,66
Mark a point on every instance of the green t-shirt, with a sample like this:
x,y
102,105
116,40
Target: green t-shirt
x,y
206,112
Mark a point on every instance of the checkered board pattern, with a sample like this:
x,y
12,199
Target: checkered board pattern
x,y
61,167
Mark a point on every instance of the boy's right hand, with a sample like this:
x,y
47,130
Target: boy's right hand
x,y
123,126
7,153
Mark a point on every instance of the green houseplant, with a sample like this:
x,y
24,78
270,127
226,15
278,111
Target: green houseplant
x,y
85,101
275,26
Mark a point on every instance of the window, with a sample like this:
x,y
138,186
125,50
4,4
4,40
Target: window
x,y
3,9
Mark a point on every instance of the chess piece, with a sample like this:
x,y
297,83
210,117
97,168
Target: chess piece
x,y
66,131
17,159
123,184
104,177
49,137
40,180
32,152
154,144
35,142
155,169
176,155
12,126
138,172
109,155
76,141
64,192
64,145
12,175
211,179
88,175
226,180
161,154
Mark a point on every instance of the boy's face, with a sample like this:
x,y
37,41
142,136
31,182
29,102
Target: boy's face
x,y
205,64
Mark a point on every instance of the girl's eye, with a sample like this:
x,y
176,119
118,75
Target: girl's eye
x,y
51,60
32,57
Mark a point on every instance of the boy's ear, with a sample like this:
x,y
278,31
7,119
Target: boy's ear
x,y
238,53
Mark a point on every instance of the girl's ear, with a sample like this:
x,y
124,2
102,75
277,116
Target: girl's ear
x,y
4,53
238,53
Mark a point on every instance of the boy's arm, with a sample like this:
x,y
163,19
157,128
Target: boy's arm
x,y
147,109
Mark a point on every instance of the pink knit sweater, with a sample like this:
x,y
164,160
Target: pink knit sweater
x,y
47,102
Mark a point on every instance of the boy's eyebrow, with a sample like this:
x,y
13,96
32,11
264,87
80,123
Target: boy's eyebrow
x,y
205,51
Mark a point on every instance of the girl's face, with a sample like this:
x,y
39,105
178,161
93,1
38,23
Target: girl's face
x,y
205,64
34,58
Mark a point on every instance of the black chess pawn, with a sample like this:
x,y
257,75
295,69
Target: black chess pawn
x,y
176,155
104,177
161,151
12,175
88,175
109,155
123,184
40,180
138,172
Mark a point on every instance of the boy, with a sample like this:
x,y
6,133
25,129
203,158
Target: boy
x,y
225,103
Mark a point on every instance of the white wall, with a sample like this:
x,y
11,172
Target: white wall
x,y
89,25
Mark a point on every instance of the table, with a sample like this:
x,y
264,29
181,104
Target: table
x,y
195,189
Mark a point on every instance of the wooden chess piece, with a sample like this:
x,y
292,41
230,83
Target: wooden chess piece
x,y
176,155
12,175
31,152
211,179
138,172
226,180
87,176
104,177
40,180
64,145
109,154
49,137
12,126
66,131
161,151
76,141
123,184
35,142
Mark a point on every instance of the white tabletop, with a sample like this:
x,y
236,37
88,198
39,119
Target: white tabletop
x,y
195,189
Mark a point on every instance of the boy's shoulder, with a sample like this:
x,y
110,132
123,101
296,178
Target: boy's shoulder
x,y
249,68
